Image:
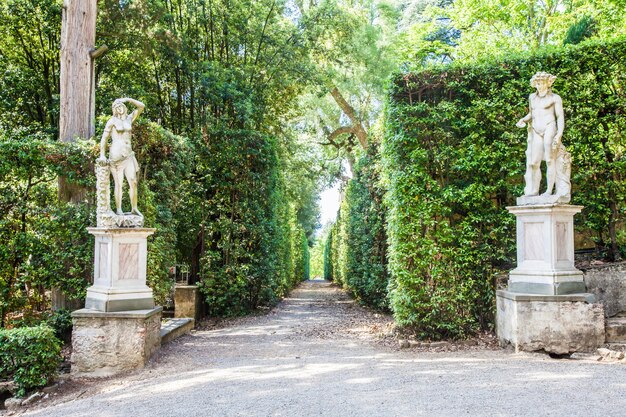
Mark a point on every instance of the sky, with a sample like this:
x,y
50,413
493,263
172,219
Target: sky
x,y
329,204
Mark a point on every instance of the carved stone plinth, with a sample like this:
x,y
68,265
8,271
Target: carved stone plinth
x,y
120,270
543,199
105,344
545,251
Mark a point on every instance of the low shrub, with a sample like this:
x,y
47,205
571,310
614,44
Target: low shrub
x,y
30,356
61,322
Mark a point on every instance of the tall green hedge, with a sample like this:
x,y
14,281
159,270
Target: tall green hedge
x,y
356,254
165,161
328,261
253,245
453,160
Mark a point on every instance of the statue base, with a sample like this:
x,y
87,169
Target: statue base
x,y
527,200
105,344
546,306
112,220
560,324
545,251
120,270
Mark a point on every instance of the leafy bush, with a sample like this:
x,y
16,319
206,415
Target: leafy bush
x,y
30,356
61,322
45,243
453,160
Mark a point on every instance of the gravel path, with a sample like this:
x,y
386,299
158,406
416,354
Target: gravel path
x,y
318,354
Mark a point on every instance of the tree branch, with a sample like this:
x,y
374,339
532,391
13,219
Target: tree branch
x,y
349,111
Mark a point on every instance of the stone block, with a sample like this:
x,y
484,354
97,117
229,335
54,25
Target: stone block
x,y
608,284
13,404
558,324
174,328
7,386
108,343
187,302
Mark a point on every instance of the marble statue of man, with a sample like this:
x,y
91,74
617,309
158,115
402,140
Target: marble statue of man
x,y
545,122
122,162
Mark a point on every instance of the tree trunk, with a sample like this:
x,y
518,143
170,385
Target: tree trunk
x,y
77,90
77,114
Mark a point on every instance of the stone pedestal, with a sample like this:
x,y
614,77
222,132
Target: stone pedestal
x,y
107,343
545,251
187,302
546,306
554,323
120,270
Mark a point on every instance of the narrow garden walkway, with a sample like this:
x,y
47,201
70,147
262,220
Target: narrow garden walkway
x,y
318,354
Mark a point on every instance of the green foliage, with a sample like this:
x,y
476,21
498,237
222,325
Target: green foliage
x,y
318,258
366,253
30,356
453,161
45,243
356,253
61,322
231,63
166,160
306,258
251,244
584,28
328,261
29,63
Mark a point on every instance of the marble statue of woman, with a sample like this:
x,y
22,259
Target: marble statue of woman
x,y
545,122
122,162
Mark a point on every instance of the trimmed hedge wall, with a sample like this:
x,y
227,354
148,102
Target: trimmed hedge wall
x,y
255,250
453,160
356,254
29,356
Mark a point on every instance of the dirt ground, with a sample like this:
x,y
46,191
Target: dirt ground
x,y
319,354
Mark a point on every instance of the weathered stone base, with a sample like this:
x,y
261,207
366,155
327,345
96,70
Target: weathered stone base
x,y
558,324
108,343
187,302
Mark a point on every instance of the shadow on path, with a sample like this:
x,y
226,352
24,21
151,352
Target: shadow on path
x,y
316,354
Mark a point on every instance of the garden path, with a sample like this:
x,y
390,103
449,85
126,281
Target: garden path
x,y
319,354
